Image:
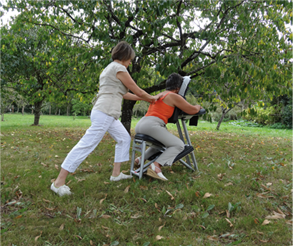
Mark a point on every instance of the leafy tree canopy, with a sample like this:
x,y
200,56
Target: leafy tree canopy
x,y
240,44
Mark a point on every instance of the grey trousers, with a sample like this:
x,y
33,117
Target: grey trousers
x,y
156,128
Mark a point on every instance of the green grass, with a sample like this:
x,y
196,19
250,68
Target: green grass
x,y
246,170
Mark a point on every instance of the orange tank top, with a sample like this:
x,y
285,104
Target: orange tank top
x,y
160,109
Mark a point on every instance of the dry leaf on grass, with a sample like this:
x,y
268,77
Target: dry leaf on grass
x,y
228,184
103,199
78,237
213,238
276,216
104,216
160,228
46,200
172,198
37,237
263,195
56,166
135,216
127,189
158,237
265,222
79,180
61,227
231,225
206,195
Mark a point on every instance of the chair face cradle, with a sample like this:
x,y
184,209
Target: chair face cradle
x,y
141,141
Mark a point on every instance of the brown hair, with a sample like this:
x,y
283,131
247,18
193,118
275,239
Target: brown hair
x,y
174,82
123,52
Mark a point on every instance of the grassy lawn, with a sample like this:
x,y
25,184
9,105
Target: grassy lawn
x,y
241,195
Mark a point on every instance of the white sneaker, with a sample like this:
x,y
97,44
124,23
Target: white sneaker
x,y
62,190
120,177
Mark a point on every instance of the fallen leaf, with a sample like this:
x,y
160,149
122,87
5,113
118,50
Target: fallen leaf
x,y
158,237
289,222
213,238
206,195
56,156
276,216
79,180
202,227
227,213
264,241
106,183
105,228
231,225
135,216
261,233
36,238
265,222
45,165
51,209
143,187
172,198
103,199
46,200
197,194
266,188
143,199
255,221
91,243
18,217
160,228
127,189
78,237
56,166
228,184
61,227
104,216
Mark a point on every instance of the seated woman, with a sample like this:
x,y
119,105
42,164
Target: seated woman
x,y
154,125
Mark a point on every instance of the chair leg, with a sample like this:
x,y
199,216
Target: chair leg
x,y
142,158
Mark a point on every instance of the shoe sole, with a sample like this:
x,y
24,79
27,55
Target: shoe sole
x,y
153,174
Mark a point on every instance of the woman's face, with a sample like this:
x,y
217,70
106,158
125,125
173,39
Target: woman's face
x,y
126,63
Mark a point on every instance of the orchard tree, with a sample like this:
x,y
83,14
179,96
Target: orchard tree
x,y
41,66
208,40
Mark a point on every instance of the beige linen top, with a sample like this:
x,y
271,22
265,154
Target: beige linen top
x,y
111,91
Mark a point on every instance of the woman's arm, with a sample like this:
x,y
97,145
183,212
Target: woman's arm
x,y
180,102
130,96
126,79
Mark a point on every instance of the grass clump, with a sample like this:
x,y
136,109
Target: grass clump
x,y
240,195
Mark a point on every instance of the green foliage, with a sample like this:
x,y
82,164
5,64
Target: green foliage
x,y
234,50
260,114
79,107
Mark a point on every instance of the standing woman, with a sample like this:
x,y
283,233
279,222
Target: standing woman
x,y
115,82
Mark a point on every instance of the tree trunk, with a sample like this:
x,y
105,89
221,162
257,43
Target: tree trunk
x,y
50,109
38,107
22,110
224,112
126,116
2,113
12,109
68,109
